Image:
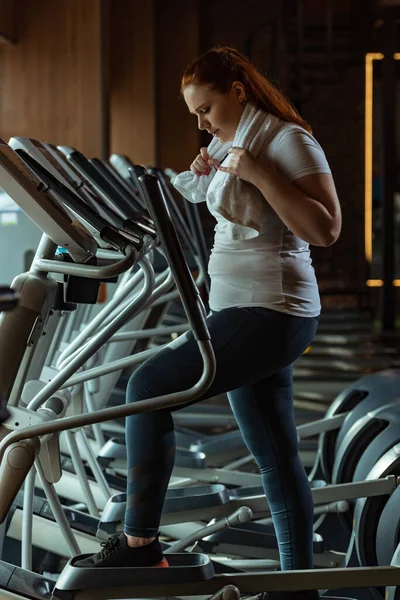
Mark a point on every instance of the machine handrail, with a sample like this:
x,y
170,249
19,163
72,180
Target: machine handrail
x,y
157,403
90,271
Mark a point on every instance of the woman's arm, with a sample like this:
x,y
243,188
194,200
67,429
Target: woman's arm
x,y
308,206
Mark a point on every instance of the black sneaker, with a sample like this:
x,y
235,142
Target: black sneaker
x,y
115,552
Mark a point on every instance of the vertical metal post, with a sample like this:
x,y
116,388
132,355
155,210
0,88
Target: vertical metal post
x,y
58,511
193,216
94,465
388,164
81,473
27,521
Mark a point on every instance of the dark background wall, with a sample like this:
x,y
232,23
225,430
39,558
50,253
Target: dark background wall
x,y
327,87
103,75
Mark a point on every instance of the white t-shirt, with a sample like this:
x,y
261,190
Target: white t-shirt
x,y
273,270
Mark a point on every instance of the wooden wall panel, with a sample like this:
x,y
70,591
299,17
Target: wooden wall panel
x,y
177,44
50,80
132,93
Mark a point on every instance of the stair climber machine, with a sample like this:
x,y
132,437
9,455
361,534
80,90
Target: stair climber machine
x,y
189,574
39,201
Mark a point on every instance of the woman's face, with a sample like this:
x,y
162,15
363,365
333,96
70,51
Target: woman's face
x,y
217,113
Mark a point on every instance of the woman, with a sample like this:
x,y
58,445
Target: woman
x,y
264,302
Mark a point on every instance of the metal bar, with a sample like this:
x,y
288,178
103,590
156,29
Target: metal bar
x,y
99,319
256,582
116,365
97,341
321,426
70,326
259,506
81,473
255,555
219,476
48,536
105,254
125,362
97,430
145,333
27,519
80,317
177,216
119,364
321,509
157,403
67,487
175,294
192,212
242,515
58,511
94,466
164,282
83,270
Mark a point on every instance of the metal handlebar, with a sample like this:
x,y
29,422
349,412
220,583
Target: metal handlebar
x,y
93,272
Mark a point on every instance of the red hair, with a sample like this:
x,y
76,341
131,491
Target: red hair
x,y
221,66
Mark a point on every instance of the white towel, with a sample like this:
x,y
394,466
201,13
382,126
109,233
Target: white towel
x,y
239,202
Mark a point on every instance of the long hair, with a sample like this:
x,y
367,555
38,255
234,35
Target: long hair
x,y
219,67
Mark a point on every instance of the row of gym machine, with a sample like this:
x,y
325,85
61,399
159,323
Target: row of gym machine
x,y
63,363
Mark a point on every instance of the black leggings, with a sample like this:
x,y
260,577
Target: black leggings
x,y
255,349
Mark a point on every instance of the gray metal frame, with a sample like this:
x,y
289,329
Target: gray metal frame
x,y
258,505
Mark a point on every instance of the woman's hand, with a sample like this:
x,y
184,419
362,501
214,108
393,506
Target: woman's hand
x,y
243,164
202,163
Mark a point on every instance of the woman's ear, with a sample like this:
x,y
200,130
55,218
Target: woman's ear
x,y
238,88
